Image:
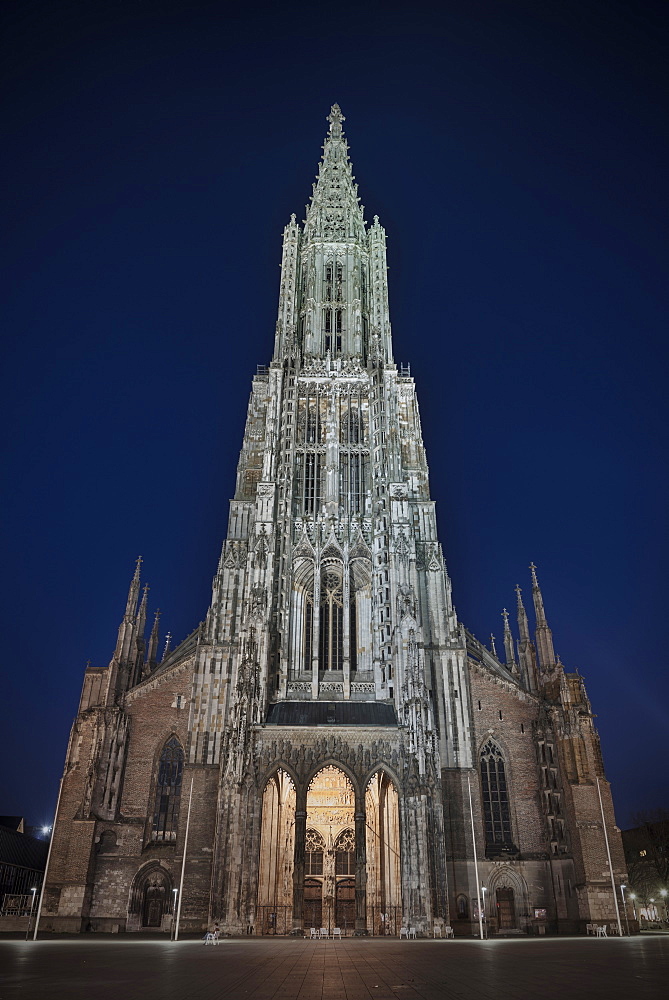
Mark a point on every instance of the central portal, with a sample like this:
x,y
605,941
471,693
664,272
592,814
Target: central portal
x,y
330,852
329,864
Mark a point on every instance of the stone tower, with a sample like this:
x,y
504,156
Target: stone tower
x,y
319,731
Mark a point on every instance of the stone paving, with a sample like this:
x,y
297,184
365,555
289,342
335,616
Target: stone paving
x,y
352,969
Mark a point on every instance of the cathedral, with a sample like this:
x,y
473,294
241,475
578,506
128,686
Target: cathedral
x,y
331,747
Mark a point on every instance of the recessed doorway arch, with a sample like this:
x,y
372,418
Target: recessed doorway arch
x,y
384,885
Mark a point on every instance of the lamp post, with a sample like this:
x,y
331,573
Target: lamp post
x,y
484,890
476,863
633,898
627,923
30,915
174,913
663,893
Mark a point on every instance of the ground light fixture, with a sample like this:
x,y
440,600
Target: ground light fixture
x,y
627,923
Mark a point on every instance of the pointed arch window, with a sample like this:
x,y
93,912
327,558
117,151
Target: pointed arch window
x,y
331,652
345,853
495,794
314,849
168,792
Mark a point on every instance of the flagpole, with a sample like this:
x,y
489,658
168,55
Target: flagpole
x,y
183,864
48,859
476,862
608,854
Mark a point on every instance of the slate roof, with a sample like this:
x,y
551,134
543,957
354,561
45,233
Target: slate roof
x,y
331,713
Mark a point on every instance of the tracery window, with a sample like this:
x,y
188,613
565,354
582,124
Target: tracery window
x,y
345,853
331,652
494,790
314,847
353,459
353,481
308,638
168,792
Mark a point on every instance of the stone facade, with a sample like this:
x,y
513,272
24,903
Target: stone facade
x,y
331,662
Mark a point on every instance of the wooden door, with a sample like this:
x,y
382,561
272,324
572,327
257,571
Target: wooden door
x,y
345,904
506,909
313,902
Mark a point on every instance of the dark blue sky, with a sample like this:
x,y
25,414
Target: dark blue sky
x,y
516,153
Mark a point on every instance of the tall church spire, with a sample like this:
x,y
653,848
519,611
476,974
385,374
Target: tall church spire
x,y
544,635
127,626
335,213
508,643
333,298
152,653
523,624
526,652
133,591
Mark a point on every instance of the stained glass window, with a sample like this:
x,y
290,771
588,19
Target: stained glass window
x,y
168,792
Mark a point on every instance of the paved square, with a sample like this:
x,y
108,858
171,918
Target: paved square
x,y
352,969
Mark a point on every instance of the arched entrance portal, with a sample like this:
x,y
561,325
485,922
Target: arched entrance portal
x,y
384,887
330,844
311,856
275,882
150,898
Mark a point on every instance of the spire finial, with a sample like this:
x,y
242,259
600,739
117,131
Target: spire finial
x,y
544,636
133,591
335,118
493,650
523,626
508,642
153,640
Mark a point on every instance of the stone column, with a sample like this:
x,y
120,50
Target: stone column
x,y
298,866
360,868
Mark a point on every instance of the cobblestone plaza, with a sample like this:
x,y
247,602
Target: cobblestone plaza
x,y
352,969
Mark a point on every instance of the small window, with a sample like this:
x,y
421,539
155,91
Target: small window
x,y
479,706
500,714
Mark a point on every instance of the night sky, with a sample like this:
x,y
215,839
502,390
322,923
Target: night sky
x,y
516,153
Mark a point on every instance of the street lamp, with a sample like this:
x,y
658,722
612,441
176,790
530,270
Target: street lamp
x,y
627,923
30,915
633,897
174,913
484,890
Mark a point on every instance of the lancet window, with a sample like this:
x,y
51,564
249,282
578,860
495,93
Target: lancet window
x,y
495,793
331,652
168,792
309,457
353,455
314,849
345,853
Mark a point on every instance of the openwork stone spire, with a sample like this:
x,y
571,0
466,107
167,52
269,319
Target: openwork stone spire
x,y
335,214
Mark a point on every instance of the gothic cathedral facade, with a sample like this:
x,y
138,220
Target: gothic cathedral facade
x,y
331,747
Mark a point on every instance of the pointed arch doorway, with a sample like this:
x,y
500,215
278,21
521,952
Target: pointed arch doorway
x,y
330,850
384,886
